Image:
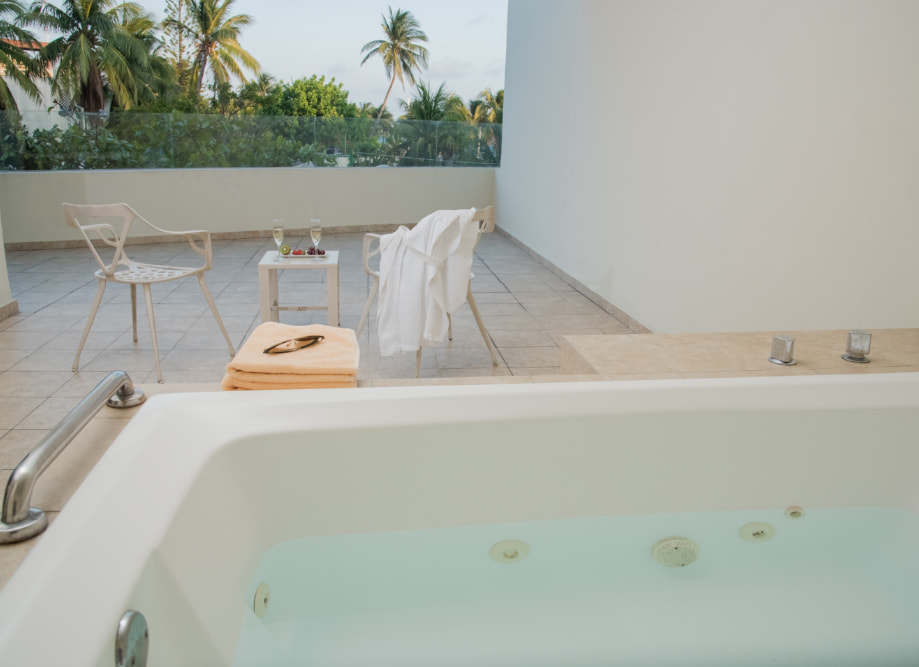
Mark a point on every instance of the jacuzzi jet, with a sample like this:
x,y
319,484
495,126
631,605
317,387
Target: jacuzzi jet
x,y
757,532
675,551
794,512
260,602
509,551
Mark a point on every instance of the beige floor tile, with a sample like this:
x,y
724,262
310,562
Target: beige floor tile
x,y
532,357
166,340
487,310
550,309
97,340
131,361
49,413
17,443
50,359
9,358
14,409
513,322
493,297
521,338
25,340
476,356
196,360
37,383
44,323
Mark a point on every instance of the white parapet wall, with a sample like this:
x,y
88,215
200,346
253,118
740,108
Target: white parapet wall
x,y
240,200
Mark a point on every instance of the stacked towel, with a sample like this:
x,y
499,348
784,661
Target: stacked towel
x,y
328,364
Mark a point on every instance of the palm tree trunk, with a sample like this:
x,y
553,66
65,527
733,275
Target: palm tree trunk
x,y
202,65
383,106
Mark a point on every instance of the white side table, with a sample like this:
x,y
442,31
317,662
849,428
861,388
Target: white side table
x,y
268,269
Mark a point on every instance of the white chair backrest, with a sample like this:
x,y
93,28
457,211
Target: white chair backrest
x,y
78,216
486,219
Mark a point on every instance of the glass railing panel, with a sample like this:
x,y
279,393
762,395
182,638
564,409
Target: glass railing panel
x,y
125,140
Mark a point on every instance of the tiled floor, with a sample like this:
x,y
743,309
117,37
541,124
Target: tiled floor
x,y
526,308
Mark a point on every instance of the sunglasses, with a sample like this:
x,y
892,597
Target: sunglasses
x,y
293,344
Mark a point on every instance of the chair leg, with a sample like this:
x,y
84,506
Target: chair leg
x,y
100,290
449,327
210,302
134,309
373,293
418,363
148,296
478,320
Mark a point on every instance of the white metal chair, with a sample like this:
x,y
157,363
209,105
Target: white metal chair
x,y
486,219
123,269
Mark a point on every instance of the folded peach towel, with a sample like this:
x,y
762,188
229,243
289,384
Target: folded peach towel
x,y
330,363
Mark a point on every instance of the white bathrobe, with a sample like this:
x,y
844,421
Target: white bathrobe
x,y
424,276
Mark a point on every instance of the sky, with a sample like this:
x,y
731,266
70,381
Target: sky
x,y
293,39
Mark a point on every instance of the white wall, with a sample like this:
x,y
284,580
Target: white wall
x,y
240,200
720,165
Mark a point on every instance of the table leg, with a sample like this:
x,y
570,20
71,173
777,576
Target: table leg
x,y
268,292
333,296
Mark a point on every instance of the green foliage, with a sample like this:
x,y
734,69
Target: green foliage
x,y
309,97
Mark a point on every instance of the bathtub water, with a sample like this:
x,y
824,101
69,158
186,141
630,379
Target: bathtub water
x,y
370,513
838,586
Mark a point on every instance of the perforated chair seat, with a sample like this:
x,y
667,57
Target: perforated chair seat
x,y
146,273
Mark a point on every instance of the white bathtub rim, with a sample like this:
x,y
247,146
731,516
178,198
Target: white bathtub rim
x,y
192,427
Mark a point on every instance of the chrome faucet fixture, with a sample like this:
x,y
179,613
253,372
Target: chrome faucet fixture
x,y
783,351
858,345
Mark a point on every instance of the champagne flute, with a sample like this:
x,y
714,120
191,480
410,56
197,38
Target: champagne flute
x,y
278,233
316,233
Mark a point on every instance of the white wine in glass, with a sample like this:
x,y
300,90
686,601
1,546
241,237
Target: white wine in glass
x,y
316,233
278,233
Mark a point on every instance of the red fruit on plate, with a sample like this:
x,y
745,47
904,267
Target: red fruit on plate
x,y
298,251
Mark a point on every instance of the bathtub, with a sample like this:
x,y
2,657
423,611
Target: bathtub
x,y
358,508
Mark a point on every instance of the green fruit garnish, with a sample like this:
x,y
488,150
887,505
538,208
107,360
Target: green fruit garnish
x,y
285,249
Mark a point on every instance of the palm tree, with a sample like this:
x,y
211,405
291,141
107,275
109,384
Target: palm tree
x,y
401,52
94,52
425,137
494,105
215,35
157,76
14,61
437,105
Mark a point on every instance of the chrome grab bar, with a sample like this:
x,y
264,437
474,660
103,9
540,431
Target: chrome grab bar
x,y
18,521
